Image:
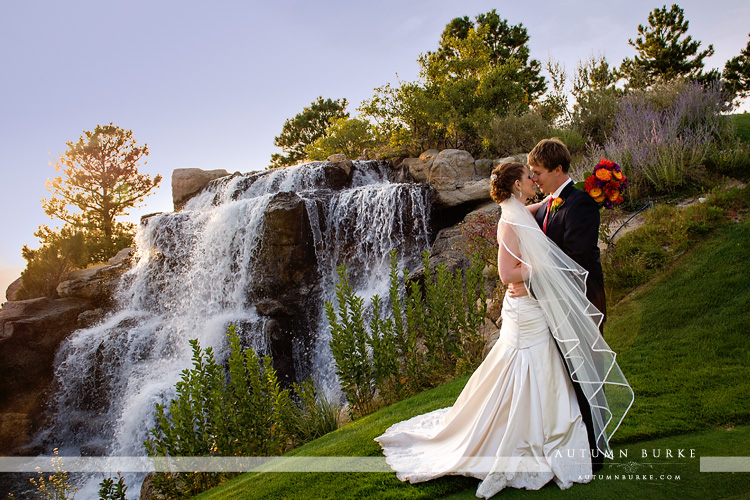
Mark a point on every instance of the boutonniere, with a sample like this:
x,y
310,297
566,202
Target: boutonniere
x,y
556,204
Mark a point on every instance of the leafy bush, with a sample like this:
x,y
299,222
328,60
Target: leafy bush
x,y
50,264
575,142
515,133
350,136
432,331
245,414
111,490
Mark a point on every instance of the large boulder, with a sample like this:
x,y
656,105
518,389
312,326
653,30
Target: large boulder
x,y
187,182
11,293
451,169
30,333
97,284
456,180
285,289
419,168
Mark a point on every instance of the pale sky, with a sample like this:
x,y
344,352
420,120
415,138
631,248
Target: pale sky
x,y
209,84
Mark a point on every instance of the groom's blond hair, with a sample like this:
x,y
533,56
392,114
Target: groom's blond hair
x,y
549,153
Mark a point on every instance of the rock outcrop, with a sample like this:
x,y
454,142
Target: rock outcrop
x,y
187,182
97,284
286,285
30,333
459,180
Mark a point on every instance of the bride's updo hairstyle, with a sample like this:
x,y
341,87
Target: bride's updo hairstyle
x,y
503,178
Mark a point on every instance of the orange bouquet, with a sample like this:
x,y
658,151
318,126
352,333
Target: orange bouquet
x,y
605,184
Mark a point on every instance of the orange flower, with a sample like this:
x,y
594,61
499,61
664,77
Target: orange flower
x,y
603,174
599,199
596,192
618,175
614,195
557,202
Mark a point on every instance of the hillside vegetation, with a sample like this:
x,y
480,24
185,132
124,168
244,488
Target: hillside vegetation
x,y
681,341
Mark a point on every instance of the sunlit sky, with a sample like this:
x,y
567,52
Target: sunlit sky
x,y
209,84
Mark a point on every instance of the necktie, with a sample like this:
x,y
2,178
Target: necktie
x,y
546,216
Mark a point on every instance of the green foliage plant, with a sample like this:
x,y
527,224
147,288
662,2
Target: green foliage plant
x,y
49,265
111,490
246,413
348,136
431,335
349,345
515,132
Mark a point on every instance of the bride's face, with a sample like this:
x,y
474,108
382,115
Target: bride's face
x,y
526,187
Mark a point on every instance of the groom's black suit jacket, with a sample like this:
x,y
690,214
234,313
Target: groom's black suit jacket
x,y
574,227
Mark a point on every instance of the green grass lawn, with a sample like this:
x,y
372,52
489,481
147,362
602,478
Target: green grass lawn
x,y
742,125
683,343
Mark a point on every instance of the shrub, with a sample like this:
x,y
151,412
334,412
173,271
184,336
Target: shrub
x,y
111,490
664,136
244,414
432,332
594,114
515,133
50,264
56,486
349,341
575,142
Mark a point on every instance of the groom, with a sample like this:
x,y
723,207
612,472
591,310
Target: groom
x,y
573,224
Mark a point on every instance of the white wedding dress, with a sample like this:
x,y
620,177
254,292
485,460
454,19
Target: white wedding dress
x,y
516,423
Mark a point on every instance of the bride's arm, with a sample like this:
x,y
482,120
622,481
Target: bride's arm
x,y
534,208
508,266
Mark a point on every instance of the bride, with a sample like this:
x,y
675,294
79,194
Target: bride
x,y
517,421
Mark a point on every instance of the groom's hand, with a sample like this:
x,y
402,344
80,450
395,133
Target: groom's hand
x,y
517,290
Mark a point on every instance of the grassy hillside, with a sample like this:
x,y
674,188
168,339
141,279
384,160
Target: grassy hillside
x,y
742,125
682,341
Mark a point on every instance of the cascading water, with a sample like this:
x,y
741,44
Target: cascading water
x,y
196,272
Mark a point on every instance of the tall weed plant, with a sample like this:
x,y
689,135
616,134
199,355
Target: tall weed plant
x,y
427,332
664,137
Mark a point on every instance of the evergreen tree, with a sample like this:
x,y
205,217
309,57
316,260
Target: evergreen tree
x,y
307,126
100,183
664,50
736,74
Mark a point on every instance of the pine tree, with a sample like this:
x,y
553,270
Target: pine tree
x,y
736,74
307,126
664,52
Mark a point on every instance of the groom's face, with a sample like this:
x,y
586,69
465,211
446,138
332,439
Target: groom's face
x,y
547,180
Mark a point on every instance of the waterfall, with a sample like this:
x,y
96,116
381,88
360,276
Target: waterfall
x,y
196,272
